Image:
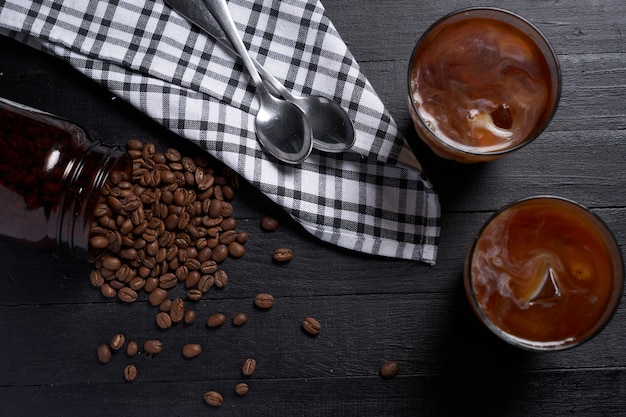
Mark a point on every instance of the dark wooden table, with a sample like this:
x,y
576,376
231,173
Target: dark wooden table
x,y
372,310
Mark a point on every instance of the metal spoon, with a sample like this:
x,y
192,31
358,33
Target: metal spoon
x,y
281,127
332,128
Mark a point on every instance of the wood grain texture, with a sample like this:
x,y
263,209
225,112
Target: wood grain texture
x,y
371,309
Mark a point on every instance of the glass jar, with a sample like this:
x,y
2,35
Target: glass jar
x,y
51,175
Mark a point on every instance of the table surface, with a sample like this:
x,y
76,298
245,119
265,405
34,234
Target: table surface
x,y
372,310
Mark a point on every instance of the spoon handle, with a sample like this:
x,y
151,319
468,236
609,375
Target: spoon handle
x,y
220,11
202,18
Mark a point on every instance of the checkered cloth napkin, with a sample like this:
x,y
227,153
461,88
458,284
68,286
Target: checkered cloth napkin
x,y
372,199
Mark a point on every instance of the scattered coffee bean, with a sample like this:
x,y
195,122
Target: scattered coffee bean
x,y
194,294
269,223
166,305
248,367
130,373
283,255
242,388
389,369
220,278
239,319
163,320
117,341
311,326
236,249
213,398
216,320
153,346
264,301
191,350
104,353
157,296
190,317
177,311
132,348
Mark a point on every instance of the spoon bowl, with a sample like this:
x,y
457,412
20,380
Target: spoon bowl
x,y
281,127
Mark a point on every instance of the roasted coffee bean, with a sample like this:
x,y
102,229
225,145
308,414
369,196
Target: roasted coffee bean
x,y
236,250
104,353
215,208
213,398
229,223
269,223
311,326
137,283
115,284
151,284
167,281
283,255
227,237
242,388
242,237
163,320
389,369
192,264
264,301
108,291
135,144
98,242
117,341
130,373
111,263
228,192
96,278
194,294
240,318
248,367
153,346
221,278
132,348
190,317
208,267
157,296
191,350
177,310
219,253
216,320
205,283
193,277
127,295
227,209
166,305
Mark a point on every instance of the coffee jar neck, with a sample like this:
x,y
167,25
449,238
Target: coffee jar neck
x,y
51,176
85,178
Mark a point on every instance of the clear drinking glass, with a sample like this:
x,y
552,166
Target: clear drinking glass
x,y
482,83
544,273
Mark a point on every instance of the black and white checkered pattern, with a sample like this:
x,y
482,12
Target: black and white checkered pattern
x,y
150,56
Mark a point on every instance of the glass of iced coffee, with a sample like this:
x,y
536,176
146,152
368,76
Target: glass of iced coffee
x,y
482,83
544,273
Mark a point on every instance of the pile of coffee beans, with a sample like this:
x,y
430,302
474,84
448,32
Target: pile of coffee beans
x,y
168,222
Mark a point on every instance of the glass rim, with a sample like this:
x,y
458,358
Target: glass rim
x,y
618,278
550,56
